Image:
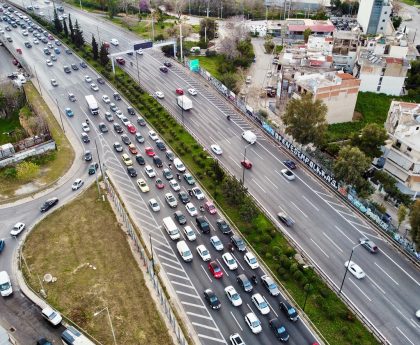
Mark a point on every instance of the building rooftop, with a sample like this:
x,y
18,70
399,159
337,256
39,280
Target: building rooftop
x,y
346,35
313,82
301,25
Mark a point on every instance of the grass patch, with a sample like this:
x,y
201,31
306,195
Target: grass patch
x,y
80,291
211,64
8,125
142,28
411,2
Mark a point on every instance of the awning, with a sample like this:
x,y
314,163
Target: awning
x,y
399,159
396,171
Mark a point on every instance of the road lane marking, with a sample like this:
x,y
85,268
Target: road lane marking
x,y
199,315
188,294
176,276
256,183
212,338
374,283
238,262
225,138
271,308
310,203
172,267
341,231
257,154
404,335
236,321
362,225
180,284
299,209
221,266
271,182
234,161
205,272
334,244
204,326
195,305
320,248
351,280
386,274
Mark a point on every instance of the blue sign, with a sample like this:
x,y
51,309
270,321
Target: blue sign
x,y
143,45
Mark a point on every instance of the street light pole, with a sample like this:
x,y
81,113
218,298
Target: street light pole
x,y
110,322
151,252
100,167
61,118
347,267
137,66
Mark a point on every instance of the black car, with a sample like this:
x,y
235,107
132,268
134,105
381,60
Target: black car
x,y
141,121
160,145
180,218
125,139
47,51
244,282
131,171
157,161
67,69
212,299
168,64
74,67
167,174
93,168
117,96
202,224
118,128
100,81
238,243
68,51
103,128
289,311
290,164
131,111
163,69
85,138
279,330
43,341
183,196
87,156
48,204
140,160
285,218
223,226
83,64
28,45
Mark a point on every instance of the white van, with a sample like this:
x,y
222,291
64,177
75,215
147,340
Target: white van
x,y
195,50
179,165
249,137
171,228
5,284
184,251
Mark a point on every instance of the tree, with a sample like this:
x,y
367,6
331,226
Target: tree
x,y
112,8
144,5
396,21
306,34
269,45
58,27
79,41
402,213
305,119
415,223
65,29
27,170
371,138
413,76
95,51
349,167
71,29
207,28
103,55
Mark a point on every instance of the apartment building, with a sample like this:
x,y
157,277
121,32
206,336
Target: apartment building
x,y
373,16
403,154
344,49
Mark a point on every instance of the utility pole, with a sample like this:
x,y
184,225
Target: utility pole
x,y
137,66
61,118
180,40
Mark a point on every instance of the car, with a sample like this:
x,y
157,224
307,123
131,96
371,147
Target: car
x,y
171,201
126,122
25,33
163,69
189,232
251,260
253,323
215,269
270,285
116,96
160,145
114,42
149,151
100,80
85,127
157,161
209,207
223,226
114,108
230,261
82,64
354,269
285,218
203,252
49,204
120,60
28,45
369,245
154,205
189,179
140,159
103,128
17,229
69,112
88,79
52,316
94,87
246,164
168,64
139,137
180,218
175,186
126,159
170,155
244,282
179,165
72,97
238,242
141,122
183,196
109,117
74,67
149,171
77,184
202,224
288,174
289,311
87,156
233,296
212,299
179,91
143,185
159,184
217,244
132,149
53,57
85,138
130,110
125,139
57,51
35,41
198,193
192,92
54,82
290,164
159,94
279,330
106,99
261,304
139,51
192,211
153,135
131,171
93,168
167,174
235,339
118,128
216,149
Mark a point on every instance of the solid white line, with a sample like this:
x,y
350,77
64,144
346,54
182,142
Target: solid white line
x,y
335,245
205,272
257,154
349,214
236,321
396,264
271,182
320,248
341,231
256,183
155,247
225,138
204,326
326,194
199,315
360,289
336,204
238,262
374,283
271,308
310,203
404,335
180,284
362,225
211,338
299,209
386,273
234,161
193,305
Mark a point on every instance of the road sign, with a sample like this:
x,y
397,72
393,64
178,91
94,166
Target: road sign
x,y
195,65
143,45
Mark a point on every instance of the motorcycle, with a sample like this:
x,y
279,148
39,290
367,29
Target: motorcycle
x,y
201,208
254,279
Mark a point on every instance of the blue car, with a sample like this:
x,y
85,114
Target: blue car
x,y
69,112
57,51
2,244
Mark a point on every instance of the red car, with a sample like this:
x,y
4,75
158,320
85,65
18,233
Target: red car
x,y
159,183
246,164
120,60
149,151
132,149
15,62
215,269
209,206
179,91
106,45
131,128
50,37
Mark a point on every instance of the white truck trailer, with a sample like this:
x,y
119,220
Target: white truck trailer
x,y
92,104
184,102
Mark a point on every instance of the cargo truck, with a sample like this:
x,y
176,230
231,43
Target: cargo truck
x,y
184,102
92,104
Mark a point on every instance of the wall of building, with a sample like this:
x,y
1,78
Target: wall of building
x,y
363,16
383,19
340,106
389,85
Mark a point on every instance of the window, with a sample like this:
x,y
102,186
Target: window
x,y
378,88
409,149
383,20
385,12
398,144
381,28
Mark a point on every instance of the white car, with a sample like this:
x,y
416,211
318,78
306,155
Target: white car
x,y
49,63
192,92
159,94
288,174
36,41
216,149
143,185
94,87
170,199
189,232
233,296
85,127
119,113
355,269
153,135
203,252
106,99
17,229
154,205
217,244
191,209
261,304
125,121
77,184
253,323
198,193
230,261
88,79
236,339
114,42
175,186
251,260
52,316
149,171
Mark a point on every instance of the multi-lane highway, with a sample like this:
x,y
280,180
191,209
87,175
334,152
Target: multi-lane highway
x,y
325,229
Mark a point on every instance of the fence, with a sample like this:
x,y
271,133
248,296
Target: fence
x,y
36,150
150,264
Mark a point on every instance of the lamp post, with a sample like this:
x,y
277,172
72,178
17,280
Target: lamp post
x,y
61,118
243,166
347,267
151,252
100,167
137,66
110,322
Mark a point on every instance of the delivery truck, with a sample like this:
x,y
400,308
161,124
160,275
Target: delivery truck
x,y
92,104
184,102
